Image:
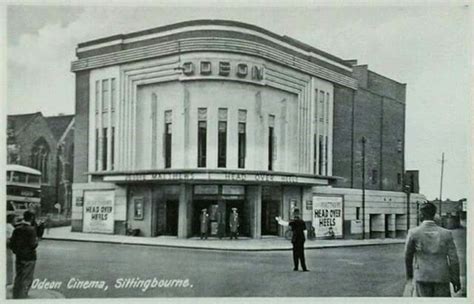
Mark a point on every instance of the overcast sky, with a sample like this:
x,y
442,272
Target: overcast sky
x,y
426,47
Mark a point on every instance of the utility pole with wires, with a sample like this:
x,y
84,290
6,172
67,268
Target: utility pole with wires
x,y
441,186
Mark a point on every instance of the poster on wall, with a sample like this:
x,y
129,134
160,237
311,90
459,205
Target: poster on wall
x,y
99,211
327,216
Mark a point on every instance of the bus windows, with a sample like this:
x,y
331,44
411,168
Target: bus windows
x,y
10,206
19,177
33,179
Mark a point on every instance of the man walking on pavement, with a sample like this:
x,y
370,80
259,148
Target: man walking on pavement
x,y
298,227
433,252
23,243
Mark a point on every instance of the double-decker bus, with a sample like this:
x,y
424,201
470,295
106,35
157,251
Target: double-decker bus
x,y
23,189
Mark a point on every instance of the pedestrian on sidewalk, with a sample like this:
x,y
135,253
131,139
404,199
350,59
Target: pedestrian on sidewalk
x,y
204,220
298,227
23,243
47,223
434,254
234,223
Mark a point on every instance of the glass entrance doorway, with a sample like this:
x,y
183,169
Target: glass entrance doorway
x,y
271,208
171,227
212,208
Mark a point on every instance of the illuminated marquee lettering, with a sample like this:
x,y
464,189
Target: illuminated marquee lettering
x,y
214,176
234,176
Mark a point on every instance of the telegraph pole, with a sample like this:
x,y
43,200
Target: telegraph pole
x,y
363,186
441,187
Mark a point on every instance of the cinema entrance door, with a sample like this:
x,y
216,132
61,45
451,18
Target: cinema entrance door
x,y
218,201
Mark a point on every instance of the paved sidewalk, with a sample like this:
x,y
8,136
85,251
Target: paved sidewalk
x,y
267,243
37,294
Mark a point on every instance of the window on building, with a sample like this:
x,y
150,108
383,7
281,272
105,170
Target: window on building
x,y
39,157
315,154
315,134
325,155
375,176
97,143
105,95
242,137
112,147
104,149
202,137
168,138
357,213
399,178
112,94
399,146
97,96
271,141
321,156
154,129
222,138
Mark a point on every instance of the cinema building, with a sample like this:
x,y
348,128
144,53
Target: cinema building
x,y
219,114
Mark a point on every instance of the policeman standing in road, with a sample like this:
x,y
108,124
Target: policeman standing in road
x,y
298,227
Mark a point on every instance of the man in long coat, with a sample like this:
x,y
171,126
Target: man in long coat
x,y
234,223
204,223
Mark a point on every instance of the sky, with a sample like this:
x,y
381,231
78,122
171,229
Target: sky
x,y
427,47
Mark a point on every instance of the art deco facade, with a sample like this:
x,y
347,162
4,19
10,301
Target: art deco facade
x,y
220,114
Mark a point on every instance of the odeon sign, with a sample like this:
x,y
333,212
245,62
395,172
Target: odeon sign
x,y
224,68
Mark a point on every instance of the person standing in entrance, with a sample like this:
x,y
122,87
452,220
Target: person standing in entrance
x,y
23,243
298,227
234,223
433,252
204,220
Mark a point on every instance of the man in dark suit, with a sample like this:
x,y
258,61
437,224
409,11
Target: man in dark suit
x,y
23,243
433,252
298,227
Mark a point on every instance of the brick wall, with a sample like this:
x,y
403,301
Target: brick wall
x,y
81,140
367,123
393,151
376,112
342,135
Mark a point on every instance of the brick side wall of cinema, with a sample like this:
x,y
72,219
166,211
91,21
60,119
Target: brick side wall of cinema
x,y
377,112
342,135
81,140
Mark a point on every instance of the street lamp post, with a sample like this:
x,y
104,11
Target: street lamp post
x,y
363,140
441,188
407,191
